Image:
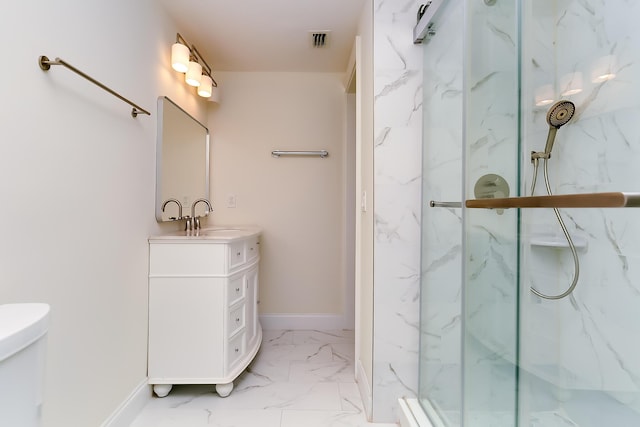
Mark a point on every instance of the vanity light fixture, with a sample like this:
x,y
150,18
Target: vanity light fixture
x,y
206,84
193,74
186,59
180,57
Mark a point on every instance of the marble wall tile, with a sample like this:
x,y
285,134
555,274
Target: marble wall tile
x,y
441,276
594,335
397,177
490,236
582,342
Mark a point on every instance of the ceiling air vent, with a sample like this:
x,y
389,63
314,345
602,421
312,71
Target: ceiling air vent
x,y
319,38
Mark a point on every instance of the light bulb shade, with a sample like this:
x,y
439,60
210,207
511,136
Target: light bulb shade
x,y
179,57
194,74
206,84
215,94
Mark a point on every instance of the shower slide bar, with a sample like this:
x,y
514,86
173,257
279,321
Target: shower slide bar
x,y
587,200
45,65
318,153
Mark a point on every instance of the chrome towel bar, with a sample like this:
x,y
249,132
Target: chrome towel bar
x,y
45,65
435,204
318,153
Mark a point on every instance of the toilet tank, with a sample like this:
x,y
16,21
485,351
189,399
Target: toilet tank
x,y
23,328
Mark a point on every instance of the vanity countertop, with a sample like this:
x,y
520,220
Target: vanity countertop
x,y
208,235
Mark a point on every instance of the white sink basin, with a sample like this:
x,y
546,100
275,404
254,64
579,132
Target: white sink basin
x,y
211,233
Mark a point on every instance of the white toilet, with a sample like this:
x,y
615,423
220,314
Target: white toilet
x,y
23,328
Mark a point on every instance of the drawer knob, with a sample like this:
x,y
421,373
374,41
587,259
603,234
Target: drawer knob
x,y
237,350
237,320
238,254
238,290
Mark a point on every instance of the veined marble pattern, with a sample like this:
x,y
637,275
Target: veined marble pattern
x,y
397,163
441,281
592,335
298,379
490,258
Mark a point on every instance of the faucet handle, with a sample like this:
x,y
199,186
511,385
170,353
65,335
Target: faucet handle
x,y
188,225
196,223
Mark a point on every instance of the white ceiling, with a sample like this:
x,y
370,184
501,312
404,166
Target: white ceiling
x,y
268,35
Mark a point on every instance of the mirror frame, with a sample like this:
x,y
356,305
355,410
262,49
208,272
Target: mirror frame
x,y
159,152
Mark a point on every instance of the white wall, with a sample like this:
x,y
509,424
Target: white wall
x,y
78,184
298,202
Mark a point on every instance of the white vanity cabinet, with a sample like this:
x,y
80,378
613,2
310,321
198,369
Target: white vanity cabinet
x,y
203,316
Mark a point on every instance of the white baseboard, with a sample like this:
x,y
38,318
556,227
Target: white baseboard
x,y
128,410
322,322
365,390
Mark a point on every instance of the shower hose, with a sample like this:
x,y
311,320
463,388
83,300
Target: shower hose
x,y
576,263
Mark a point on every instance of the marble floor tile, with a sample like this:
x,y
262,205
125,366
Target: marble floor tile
x,y
298,378
350,397
318,396
274,337
337,371
323,337
322,419
208,418
269,370
302,352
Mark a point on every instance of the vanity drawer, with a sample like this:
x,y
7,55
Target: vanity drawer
x,y
237,254
235,349
236,319
235,289
253,249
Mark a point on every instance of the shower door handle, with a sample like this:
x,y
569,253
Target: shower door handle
x,y
435,204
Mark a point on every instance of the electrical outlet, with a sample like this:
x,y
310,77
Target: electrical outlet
x,y
231,201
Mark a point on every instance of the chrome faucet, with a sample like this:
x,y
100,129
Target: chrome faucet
x,y
177,203
196,219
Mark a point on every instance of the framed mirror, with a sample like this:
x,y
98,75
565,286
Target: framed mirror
x,y
182,161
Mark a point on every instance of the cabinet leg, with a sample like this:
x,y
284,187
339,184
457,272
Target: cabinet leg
x,y
161,390
224,390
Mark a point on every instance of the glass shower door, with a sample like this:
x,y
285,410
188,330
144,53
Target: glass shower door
x,y
491,240
580,355
493,353
469,291
440,384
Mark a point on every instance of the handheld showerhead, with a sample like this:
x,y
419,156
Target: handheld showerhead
x,y
558,115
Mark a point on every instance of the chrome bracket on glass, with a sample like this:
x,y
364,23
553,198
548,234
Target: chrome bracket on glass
x,y
426,14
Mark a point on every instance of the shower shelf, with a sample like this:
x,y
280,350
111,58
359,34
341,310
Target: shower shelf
x,y
558,241
587,200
